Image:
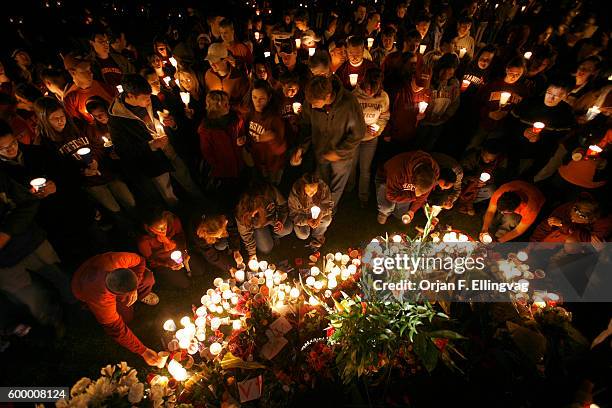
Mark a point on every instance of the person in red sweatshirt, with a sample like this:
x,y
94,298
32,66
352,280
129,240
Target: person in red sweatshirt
x,y
110,284
355,64
405,182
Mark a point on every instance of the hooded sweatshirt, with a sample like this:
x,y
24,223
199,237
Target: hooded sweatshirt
x,y
300,204
337,127
375,110
398,174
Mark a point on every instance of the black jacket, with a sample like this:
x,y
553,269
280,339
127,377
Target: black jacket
x,y
131,136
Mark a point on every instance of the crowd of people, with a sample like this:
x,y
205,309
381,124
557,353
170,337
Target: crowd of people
x,y
201,149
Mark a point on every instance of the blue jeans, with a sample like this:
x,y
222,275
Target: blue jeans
x,y
336,175
387,207
264,238
304,231
363,158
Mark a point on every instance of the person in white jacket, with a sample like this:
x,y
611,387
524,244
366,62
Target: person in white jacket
x,y
375,105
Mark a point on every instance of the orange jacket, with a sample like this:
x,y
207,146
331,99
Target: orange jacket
x,y
89,286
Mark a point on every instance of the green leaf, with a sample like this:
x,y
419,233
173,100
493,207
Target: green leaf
x,y
426,351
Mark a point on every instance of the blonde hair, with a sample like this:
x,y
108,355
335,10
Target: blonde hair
x,y
210,227
214,101
186,73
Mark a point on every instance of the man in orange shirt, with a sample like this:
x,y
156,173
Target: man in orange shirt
x,y
83,88
110,284
241,53
513,208
224,77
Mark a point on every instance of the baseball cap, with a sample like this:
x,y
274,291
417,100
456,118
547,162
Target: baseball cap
x,y
216,52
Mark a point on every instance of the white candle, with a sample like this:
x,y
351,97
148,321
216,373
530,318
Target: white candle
x,y
537,127
504,98
527,55
462,52
311,51
484,177
523,8
169,325
375,127
177,257
423,106
167,80
315,212
256,34
592,112
370,42
296,107
38,183
253,265
353,79
185,97
422,48
173,61
177,370
119,88
298,43
177,82
267,54
239,275
465,84
486,238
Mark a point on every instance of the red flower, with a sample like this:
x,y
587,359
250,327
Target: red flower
x,y
363,307
299,261
330,331
440,343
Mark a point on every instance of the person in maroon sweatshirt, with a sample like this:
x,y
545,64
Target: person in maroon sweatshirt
x,y
265,132
355,64
404,183
109,284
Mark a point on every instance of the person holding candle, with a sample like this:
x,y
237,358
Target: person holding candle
x,y
84,86
108,65
220,132
463,43
55,81
98,109
163,234
239,51
513,209
448,188
190,84
265,131
291,100
404,183
332,122
222,76
542,59
394,65
60,134
584,78
422,23
142,143
535,143
263,70
217,242
374,103
310,209
337,55
262,216
355,65
110,284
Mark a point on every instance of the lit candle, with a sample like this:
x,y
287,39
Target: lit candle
x,y
167,80
119,88
169,325
315,212
38,183
163,357
294,293
496,5
423,106
177,82
256,35
504,98
185,97
239,275
173,62
537,127
375,128
422,48
465,84
253,265
592,112
486,238
406,218
370,42
298,42
523,8
177,370
528,55
353,79
177,256
522,256
267,54
462,52
85,154
593,151
311,51
296,107
107,141
484,177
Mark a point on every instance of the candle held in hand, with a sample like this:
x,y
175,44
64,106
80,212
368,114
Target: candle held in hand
x,y
462,52
593,151
315,212
311,51
185,97
267,54
375,128
173,61
592,112
167,80
256,35
423,106
504,98
296,107
484,177
353,79
298,42
119,88
38,183
537,127
177,256
422,49
465,84
370,42
527,55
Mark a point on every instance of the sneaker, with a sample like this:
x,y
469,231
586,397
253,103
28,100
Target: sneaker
x,y
151,299
382,218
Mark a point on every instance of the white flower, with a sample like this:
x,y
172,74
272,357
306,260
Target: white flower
x,y
80,401
156,392
100,390
122,390
108,371
80,386
136,393
123,367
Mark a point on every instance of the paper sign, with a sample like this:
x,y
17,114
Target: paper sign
x,y
250,389
280,326
273,347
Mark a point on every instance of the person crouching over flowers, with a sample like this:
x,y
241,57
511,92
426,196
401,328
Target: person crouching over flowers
x,y
261,211
215,239
163,235
307,193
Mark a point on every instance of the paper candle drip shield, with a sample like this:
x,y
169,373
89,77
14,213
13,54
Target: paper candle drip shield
x,y
353,79
422,49
177,256
298,43
370,42
484,177
38,183
423,106
185,97
311,51
296,107
315,212
537,127
465,84
504,98
462,52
